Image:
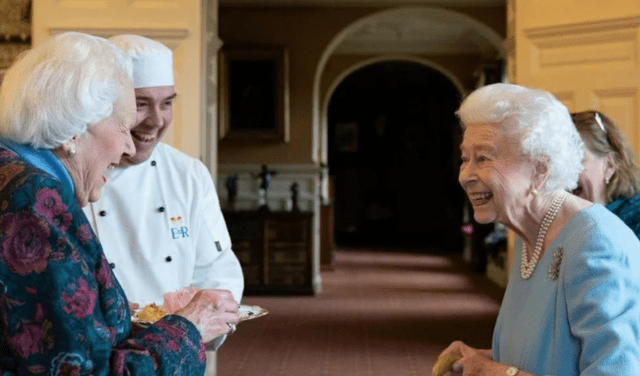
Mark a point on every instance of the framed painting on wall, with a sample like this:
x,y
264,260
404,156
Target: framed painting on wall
x,y
254,94
15,24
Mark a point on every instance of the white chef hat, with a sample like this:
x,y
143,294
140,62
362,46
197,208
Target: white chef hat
x,y
152,61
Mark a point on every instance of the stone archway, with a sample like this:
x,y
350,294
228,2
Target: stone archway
x,y
482,30
392,140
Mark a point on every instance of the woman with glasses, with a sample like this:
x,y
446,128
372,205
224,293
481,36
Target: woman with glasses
x,y
610,176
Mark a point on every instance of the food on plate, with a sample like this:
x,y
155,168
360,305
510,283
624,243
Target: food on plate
x,y
444,363
150,313
175,300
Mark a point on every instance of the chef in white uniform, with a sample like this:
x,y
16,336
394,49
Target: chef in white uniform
x,y
159,218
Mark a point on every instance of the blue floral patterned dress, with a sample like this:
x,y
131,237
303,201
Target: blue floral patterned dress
x,y
62,311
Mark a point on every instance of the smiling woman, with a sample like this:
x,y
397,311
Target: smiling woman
x,y
88,156
66,110
520,152
611,176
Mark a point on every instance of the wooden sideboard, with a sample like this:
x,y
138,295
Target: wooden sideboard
x,y
274,249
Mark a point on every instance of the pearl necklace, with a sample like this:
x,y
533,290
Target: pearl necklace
x,y
527,267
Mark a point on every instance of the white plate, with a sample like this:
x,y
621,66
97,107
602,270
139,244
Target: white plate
x,y
248,312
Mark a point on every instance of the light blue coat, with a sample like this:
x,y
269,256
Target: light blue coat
x,y
587,321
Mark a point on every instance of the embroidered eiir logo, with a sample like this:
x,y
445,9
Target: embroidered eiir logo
x,y
178,231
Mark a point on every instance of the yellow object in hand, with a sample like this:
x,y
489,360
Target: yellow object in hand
x,y
444,363
151,313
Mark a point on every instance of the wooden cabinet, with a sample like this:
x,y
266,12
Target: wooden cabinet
x,y
274,249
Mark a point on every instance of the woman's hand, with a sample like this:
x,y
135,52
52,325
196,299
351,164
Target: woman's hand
x,y
211,311
473,361
133,307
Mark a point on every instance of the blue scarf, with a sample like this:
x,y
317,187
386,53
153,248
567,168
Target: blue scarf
x,y
43,159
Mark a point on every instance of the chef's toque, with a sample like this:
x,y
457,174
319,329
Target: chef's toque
x,y
152,61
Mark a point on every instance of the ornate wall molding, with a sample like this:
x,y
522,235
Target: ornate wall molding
x,y
590,45
582,27
169,37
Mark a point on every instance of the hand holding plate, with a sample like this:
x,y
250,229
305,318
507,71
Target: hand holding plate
x,y
211,311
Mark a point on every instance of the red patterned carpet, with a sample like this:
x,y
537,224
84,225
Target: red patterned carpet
x,y
379,313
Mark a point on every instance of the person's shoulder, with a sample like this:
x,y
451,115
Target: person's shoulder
x,y
16,170
173,156
179,164
22,184
599,230
593,215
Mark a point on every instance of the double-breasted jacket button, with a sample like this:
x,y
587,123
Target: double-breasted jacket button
x,y
161,209
112,265
102,213
168,259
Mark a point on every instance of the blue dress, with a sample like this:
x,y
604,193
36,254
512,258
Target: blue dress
x,y
62,311
587,321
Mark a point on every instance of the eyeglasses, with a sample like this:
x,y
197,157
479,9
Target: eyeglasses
x,y
578,117
599,121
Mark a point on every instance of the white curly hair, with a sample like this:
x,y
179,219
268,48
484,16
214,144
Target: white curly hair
x,y
58,89
536,119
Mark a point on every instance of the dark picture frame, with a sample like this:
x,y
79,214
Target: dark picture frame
x,y
254,94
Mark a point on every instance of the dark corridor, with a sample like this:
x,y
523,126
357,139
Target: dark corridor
x,y
393,155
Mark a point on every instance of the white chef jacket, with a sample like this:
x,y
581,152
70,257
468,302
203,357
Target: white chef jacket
x,y
162,229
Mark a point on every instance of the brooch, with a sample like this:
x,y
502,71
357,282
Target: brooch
x,y
554,267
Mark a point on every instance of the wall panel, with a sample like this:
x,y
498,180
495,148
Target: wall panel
x,y
621,105
592,65
586,53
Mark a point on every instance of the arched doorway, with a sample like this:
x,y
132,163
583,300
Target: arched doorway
x,y
392,149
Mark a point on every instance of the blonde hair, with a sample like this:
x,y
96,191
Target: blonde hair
x,y
602,137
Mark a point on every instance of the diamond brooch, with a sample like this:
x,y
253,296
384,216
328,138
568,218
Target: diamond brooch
x,y
554,267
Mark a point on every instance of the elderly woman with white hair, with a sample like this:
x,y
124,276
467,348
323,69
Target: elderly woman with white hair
x,y
66,111
572,304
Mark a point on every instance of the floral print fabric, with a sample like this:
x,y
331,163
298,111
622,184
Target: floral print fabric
x,y
62,311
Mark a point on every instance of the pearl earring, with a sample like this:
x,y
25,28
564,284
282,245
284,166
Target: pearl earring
x,y
534,191
606,181
71,151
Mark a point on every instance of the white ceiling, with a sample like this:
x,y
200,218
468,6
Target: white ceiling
x,y
412,28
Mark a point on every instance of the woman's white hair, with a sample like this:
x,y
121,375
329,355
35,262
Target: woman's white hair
x,y
536,119
58,89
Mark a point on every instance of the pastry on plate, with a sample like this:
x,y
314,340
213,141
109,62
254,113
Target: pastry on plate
x,y
150,313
